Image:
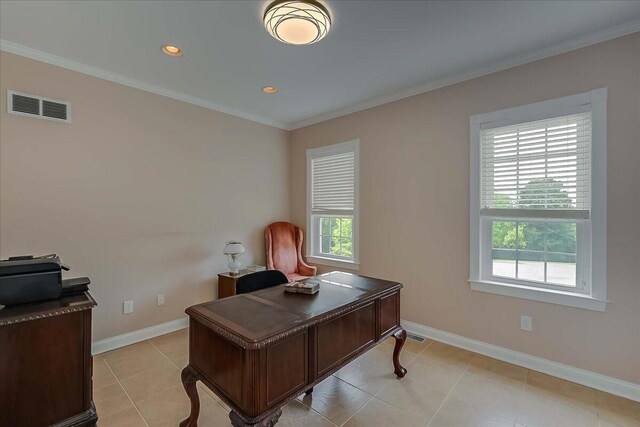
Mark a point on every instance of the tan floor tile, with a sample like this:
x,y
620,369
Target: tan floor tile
x,y
479,391
102,375
125,418
174,349
409,345
497,370
370,372
137,363
151,382
617,410
439,376
413,397
407,354
128,351
335,399
111,399
172,406
450,355
456,413
295,414
535,411
377,413
182,334
181,362
204,389
559,390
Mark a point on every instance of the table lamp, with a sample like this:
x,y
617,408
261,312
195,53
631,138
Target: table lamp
x,y
233,250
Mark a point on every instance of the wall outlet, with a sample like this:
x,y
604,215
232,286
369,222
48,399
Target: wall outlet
x,y
160,299
526,323
128,307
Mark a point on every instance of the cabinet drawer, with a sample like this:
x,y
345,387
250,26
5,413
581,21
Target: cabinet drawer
x,y
344,336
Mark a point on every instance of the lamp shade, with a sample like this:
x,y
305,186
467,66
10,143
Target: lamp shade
x,y
233,248
297,21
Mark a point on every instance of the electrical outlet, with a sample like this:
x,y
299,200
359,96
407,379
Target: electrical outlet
x,y
128,307
526,323
160,299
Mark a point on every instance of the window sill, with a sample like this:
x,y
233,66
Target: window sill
x,y
536,294
349,265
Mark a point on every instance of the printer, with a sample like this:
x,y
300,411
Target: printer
x,y
25,279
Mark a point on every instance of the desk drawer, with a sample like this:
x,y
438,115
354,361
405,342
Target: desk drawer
x,y
344,336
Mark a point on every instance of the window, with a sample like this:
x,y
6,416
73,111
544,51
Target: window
x,y
538,201
332,188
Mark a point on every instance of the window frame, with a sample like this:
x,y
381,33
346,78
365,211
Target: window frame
x,y
313,220
591,232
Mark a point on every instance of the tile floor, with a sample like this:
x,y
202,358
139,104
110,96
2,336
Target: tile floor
x,y
139,385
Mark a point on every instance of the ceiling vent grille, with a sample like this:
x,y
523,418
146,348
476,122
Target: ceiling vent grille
x,y
24,104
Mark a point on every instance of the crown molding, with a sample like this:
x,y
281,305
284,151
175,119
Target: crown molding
x,y
577,43
48,58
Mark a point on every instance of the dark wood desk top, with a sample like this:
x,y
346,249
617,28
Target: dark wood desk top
x,y
256,319
38,310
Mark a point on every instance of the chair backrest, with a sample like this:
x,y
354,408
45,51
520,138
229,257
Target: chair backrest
x,y
260,280
284,242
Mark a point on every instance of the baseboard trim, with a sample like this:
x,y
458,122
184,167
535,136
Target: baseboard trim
x,y
129,338
590,379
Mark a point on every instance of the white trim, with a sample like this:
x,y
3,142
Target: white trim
x,y
328,150
69,64
595,264
331,262
551,296
594,380
514,61
129,338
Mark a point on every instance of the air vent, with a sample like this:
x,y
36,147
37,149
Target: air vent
x,y
24,104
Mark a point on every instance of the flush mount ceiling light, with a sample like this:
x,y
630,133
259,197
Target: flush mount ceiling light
x,y
171,50
270,89
297,22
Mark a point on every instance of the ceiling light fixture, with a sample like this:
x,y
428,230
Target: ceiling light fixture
x,y
270,89
297,22
171,50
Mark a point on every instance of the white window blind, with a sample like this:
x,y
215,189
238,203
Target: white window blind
x,y
333,184
537,169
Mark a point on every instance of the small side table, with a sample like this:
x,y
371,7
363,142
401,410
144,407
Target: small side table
x,y
227,283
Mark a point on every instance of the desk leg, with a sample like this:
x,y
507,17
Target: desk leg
x,y
401,337
269,421
189,379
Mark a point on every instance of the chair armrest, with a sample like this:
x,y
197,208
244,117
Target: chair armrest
x,y
306,269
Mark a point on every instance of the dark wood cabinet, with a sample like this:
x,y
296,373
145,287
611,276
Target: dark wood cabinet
x,y
259,350
46,363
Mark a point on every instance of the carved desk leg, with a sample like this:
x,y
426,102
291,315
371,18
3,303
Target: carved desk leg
x,y
270,421
401,337
189,379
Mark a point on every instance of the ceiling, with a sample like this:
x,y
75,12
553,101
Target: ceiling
x,y
376,51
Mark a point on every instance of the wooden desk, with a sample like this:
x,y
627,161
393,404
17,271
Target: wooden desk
x,y
260,350
46,364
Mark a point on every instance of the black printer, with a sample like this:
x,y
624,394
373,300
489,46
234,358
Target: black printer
x,y
26,279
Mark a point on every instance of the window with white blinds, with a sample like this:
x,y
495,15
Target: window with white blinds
x,y
538,201
333,184
332,198
534,166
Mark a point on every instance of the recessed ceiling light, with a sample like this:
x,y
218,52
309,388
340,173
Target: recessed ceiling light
x,y
270,89
297,21
171,50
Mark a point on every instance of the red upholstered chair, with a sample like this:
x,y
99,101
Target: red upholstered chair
x,y
284,251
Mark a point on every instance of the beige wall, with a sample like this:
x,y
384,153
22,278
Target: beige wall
x,y
139,192
414,198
